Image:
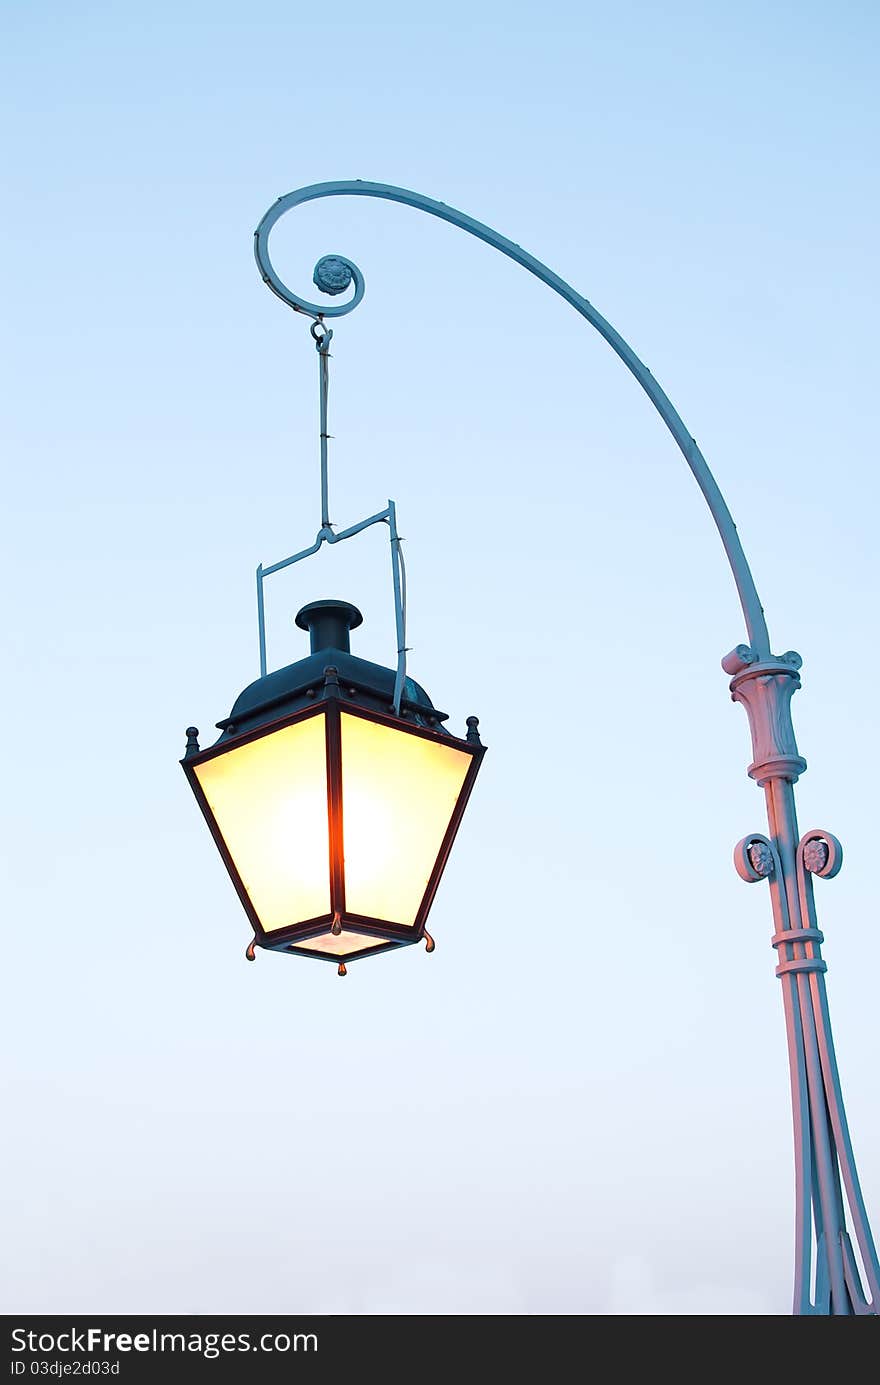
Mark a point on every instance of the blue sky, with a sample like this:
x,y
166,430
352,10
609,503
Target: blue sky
x,y
579,1103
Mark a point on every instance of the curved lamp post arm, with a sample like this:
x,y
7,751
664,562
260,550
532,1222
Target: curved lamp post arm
x,y
764,683
752,610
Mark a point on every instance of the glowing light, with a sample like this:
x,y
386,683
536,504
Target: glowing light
x,y
269,798
341,945
399,792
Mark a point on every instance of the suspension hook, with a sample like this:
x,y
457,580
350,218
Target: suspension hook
x,y
323,337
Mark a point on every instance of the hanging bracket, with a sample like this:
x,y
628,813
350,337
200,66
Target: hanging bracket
x,y
322,335
398,578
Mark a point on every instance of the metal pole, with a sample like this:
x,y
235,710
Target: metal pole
x,y
399,608
324,386
261,620
823,1151
782,817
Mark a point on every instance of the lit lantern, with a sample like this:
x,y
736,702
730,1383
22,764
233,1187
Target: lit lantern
x,y
334,815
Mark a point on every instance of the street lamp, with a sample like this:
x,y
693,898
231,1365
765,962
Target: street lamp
x,y
826,1181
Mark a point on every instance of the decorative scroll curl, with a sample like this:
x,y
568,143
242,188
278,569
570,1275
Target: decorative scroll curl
x,y
755,858
333,273
820,853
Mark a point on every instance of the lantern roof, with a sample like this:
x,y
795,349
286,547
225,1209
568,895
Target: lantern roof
x,y
290,689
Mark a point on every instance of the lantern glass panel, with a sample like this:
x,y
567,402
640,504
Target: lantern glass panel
x,y
399,792
341,945
269,798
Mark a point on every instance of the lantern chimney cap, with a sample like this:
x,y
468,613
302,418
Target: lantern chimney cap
x,y
328,623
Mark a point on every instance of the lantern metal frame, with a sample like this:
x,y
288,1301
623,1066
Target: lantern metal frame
x,y
332,706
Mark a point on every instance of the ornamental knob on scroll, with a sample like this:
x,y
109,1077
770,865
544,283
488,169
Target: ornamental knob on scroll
x,y
820,853
816,856
332,274
754,858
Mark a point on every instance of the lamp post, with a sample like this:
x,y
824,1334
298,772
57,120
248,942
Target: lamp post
x,y
827,1279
